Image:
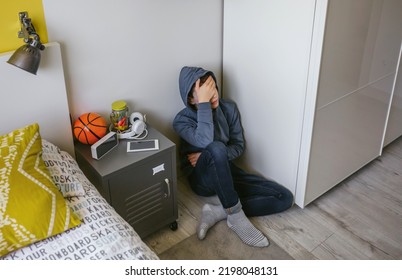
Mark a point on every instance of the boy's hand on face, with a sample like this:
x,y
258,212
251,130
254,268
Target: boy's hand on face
x,y
206,91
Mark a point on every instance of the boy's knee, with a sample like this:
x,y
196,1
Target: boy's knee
x,y
217,150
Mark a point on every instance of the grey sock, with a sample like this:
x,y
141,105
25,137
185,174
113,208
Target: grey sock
x,y
213,200
210,215
249,234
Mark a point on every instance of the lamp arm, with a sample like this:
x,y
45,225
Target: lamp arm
x,y
35,42
28,30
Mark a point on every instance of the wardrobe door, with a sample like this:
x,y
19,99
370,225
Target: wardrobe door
x,y
359,59
394,124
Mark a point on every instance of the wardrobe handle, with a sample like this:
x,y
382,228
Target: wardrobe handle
x,y
168,188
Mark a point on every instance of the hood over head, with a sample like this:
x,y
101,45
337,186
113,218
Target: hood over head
x,y
188,77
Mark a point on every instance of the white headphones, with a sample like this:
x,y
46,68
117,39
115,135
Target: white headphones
x,y
136,129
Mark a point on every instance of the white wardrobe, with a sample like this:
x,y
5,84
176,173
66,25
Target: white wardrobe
x,y
316,83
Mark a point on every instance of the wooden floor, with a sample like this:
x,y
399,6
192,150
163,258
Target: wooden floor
x,y
361,218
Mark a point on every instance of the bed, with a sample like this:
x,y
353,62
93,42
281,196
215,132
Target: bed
x,y
49,210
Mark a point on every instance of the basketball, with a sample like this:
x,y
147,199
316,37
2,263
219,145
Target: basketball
x,y
89,128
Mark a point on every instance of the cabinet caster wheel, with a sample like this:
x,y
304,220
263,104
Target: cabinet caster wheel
x,y
173,226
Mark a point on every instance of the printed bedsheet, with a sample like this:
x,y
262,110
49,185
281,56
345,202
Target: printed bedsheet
x,y
103,234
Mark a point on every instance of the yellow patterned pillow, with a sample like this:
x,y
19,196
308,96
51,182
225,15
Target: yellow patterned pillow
x,y
31,206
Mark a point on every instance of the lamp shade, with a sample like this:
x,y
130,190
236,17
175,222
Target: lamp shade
x,y
27,58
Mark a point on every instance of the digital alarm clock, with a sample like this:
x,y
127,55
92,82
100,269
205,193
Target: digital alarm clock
x,y
104,145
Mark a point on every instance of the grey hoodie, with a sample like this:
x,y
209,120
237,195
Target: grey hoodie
x,y
198,128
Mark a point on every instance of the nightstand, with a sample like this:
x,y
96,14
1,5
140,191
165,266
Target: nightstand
x,y
141,186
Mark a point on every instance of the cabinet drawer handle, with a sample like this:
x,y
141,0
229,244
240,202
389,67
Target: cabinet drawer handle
x,y
168,187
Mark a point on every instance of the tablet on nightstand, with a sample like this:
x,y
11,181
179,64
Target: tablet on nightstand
x,y
142,145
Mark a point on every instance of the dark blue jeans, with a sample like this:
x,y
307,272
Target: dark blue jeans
x,y
214,174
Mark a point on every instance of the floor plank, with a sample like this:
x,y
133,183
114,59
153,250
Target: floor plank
x,y
273,227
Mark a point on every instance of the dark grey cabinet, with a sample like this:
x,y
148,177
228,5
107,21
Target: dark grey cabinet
x,y
141,186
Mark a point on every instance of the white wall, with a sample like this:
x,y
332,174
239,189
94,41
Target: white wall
x,y
133,50
265,63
